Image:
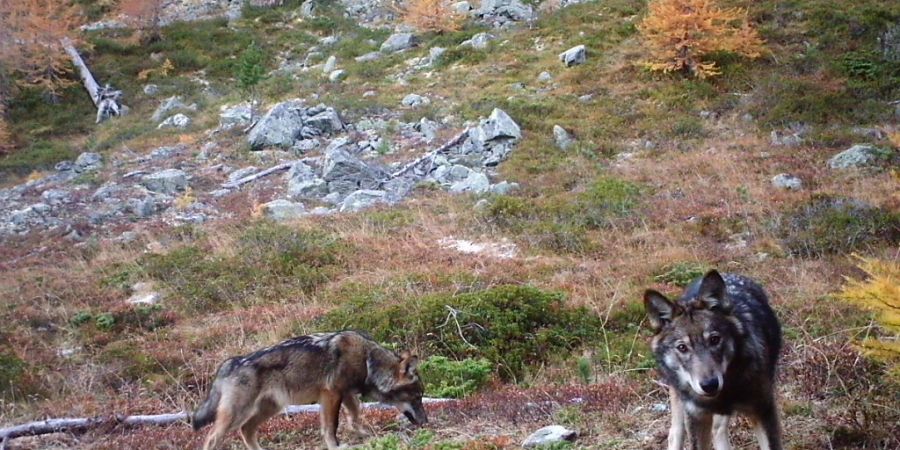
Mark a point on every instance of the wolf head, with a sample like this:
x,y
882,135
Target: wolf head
x,y
695,338
396,382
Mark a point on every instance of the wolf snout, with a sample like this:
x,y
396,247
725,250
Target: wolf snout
x,y
710,386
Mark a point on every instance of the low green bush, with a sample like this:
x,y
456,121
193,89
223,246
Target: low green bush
x,y
446,378
510,326
834,225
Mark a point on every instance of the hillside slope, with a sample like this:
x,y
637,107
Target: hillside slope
x,y
136,256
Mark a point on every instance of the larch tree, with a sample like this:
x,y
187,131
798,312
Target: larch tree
x,y
31,42
682,34
432,15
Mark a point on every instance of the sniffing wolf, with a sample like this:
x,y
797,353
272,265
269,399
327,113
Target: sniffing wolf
x,y
717,348
328,368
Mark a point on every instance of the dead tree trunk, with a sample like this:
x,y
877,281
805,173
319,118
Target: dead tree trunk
x,y
105,98
81,424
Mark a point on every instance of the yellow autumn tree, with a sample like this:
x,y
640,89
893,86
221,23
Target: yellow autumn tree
x,y
432,15
681,34
31,34
880,293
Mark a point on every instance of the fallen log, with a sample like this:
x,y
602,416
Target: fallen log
x,y
82,424
430,155
258,175
105,98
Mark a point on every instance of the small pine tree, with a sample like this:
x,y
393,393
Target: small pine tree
x,y
250,69
432,15
681,34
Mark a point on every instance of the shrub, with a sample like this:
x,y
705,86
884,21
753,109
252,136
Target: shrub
x,y
432,16
445,378
250,68
269,261
880,292
682,34
11,371
606,199
510,326
828,225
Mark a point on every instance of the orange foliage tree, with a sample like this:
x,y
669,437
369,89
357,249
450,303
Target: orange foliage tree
x,y
31,33
432,15
681,34
145,16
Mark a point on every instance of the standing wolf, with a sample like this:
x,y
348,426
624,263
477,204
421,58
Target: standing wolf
x,y
717,347
328,368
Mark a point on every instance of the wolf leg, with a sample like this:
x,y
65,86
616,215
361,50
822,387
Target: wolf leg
x,y
700,429
767,428
676,431
330,402
357,424
265,410
222,426
720,432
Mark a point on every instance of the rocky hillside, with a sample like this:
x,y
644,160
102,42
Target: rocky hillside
x,y
290,167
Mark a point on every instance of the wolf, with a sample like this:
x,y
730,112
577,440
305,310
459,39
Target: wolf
x,y
328,368
717,348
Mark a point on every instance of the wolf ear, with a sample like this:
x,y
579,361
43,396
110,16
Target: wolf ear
x,y
408,364
713,292
381,369
660,310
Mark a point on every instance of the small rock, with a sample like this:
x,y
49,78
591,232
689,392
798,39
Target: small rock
x,y
398,42
337,75
369,57
549,435
435,54
177,121
479,42
562,137
55,196
545,77
859,155
167,181
475,182
168,105
415,100
362,199
283,210
231,116
330,65
787,181
329,40
574,56
461,7
151,89
586,98
503,188
88,162
307,9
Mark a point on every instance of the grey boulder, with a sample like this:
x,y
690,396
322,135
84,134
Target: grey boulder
x,y
574,56
167,181
362,199
399,41
282,209
859,155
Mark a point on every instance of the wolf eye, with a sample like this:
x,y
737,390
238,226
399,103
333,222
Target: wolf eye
x,y
682,348
715,340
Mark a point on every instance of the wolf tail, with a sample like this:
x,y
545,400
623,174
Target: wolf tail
x,y
206,412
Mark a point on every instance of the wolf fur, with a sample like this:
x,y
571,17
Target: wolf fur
x,y
328,368
717,348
